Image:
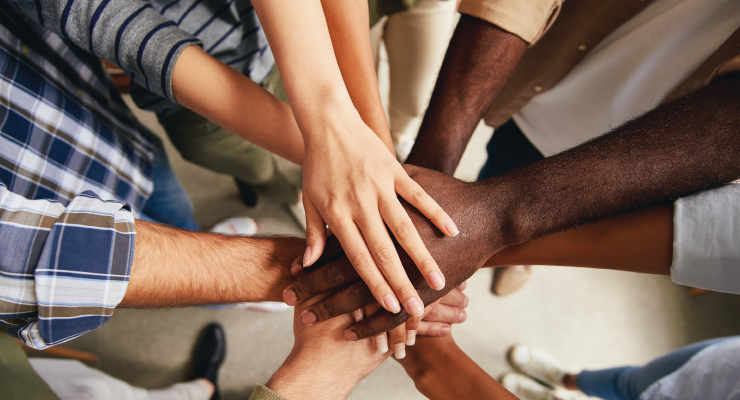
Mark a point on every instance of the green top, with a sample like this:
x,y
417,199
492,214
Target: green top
x,y
18,380
262,392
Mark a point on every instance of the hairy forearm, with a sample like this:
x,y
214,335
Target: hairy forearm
x,y
640,241
231,100
347,22
479,61
441,370
677,149
173,267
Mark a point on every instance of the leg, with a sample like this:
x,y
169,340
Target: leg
x,y
416,41
204,143
508,149
628,383
169,203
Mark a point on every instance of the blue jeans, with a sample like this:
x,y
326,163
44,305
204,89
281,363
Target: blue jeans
x,y
169,203
627,383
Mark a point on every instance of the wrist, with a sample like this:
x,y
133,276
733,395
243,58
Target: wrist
x,y
303,376
503,206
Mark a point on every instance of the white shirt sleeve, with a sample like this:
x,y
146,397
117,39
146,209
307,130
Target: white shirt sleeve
x,y
706,233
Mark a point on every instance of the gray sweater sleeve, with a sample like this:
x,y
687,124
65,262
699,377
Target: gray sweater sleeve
x,y
128,33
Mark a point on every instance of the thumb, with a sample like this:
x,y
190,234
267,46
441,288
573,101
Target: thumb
x,y
315,232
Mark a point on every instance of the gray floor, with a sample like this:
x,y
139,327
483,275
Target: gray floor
x,y
587,318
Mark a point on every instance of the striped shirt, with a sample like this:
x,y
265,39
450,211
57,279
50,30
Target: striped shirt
x,y
67,144
144,38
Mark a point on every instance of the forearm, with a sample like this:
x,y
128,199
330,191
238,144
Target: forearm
x,y
234,102
302,47
641,241
680,148
441,370
292,381
479,61
172,267
347,23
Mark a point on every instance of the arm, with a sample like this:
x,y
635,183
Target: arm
x,y
441,370
351,180
175,268
479,61
685,146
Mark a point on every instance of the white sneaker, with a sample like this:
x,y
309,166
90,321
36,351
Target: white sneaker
x,y
537,363
527,388
242,226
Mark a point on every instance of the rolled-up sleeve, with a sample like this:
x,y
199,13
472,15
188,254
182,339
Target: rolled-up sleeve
x,y
706,240
528,19
128,33
63,270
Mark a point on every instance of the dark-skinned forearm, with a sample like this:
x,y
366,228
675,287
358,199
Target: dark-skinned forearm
x,y
680,148
442,371
175,268
479,61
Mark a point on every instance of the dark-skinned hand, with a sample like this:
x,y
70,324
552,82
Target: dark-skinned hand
x,y
458,258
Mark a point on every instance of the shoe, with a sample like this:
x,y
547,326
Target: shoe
x,y
537,363
507,280
264,306
241,226
297,211
247,193
527,388
209,355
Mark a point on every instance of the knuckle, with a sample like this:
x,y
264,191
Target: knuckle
x,y
385,255
406,291
312,235
380,288
303,288
440,215
325,310
427,264
405,230
336,274
418,195
362,262
360,295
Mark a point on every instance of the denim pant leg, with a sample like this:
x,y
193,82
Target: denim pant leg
x,y
508,150
627,383
169,203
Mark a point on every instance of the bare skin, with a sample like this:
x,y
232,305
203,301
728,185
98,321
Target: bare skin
x,y
677,149
479,61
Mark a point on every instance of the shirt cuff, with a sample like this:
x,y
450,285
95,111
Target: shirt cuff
x,y
527,19
262,392
82,272
706,234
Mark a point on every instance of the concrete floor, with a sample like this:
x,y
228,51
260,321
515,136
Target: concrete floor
x,y
587,318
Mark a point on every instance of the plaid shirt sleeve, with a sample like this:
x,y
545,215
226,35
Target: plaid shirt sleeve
x,y
62,269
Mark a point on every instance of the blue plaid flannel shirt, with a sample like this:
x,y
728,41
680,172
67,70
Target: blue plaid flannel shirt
x,y
75,167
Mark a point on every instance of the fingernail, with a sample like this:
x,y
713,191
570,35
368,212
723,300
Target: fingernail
x,y
463,285
307,257
463,316
410,338
381,343
399,351
391,303
451,228
289,297
308,317
415,307
296,270
350,335
436,280
444,331
358,315
467,301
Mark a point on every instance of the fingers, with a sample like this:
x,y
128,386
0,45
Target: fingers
x,y
358,254
412,326
446,314
419,199
381,321
397,339
315,232
405,233
386,258
345,301
434,329
332,275
455,298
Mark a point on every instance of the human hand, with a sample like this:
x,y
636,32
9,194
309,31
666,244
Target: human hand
x,y
351,183
458,257
322,364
